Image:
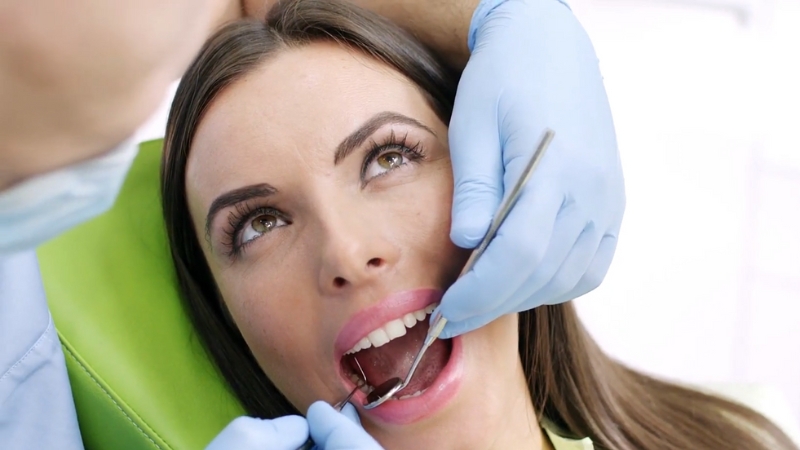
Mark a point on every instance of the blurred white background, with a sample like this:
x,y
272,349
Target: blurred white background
x,y
705,286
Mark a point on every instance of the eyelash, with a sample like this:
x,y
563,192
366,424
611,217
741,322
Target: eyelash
x,y
245,212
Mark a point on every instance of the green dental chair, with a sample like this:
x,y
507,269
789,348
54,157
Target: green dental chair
x,y
139,375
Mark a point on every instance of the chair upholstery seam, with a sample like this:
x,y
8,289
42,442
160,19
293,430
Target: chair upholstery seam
x,y
105,391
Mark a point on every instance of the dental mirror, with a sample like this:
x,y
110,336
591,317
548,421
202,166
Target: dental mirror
x,y
383,392
388,388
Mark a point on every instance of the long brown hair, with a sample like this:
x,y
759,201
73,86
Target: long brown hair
x,y
573,384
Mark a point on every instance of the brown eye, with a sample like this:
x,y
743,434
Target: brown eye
x,y
384,163
264,223
390,160
260,225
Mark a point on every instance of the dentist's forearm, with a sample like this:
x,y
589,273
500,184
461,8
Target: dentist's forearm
x,y
443,25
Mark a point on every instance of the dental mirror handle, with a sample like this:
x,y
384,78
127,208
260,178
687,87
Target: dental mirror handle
x,y
438,321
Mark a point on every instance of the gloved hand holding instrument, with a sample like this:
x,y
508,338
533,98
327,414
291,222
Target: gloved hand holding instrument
x,y
531,66
330,428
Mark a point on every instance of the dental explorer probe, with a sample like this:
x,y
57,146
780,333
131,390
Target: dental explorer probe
x,y
387,389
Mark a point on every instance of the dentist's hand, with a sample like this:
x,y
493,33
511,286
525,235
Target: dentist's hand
x,y
334,430
532,67
330,429
248,433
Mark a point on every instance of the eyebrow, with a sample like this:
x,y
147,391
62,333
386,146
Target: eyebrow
x,y
368,128
235,196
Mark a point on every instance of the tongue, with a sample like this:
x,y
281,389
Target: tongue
x,y
394,359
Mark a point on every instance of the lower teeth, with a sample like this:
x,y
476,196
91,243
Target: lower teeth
x,y
365,388
415,394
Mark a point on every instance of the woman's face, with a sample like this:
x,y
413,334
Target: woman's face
x,y
321,183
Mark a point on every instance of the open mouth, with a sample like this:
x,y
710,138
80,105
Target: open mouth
x,y
389,350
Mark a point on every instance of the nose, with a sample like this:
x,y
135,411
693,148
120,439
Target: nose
x,y
355,253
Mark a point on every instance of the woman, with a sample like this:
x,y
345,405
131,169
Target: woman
x,y
307,185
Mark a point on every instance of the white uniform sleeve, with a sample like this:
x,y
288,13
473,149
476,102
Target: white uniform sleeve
x,y
36,407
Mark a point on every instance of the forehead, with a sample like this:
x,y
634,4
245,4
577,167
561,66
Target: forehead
x,y
296,107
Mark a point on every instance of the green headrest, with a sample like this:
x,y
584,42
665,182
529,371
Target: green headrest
x,y
140,378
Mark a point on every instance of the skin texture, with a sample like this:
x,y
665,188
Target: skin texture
x,y
62,103
344,243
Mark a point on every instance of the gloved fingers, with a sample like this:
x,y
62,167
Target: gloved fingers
x,y
580,253
569,227
570,273
589,260
350,411
452,329
594,274
283,433
332,430
476,157
521,242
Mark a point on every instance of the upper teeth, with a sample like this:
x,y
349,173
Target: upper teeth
x,y
391,330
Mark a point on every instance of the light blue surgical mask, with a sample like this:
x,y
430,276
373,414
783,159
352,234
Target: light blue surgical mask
x,y
42,207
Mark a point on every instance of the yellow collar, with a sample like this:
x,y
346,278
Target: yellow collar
x,y
562,443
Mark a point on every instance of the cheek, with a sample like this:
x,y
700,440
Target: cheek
x,y
269,306
446,254
424,213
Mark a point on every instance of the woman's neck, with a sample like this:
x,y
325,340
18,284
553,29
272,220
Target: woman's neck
x,y
520,427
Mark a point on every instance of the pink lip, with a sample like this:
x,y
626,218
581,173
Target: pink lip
x,y
392,307
443,389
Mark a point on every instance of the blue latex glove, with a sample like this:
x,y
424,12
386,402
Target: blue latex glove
x,y
247,433
532,67
331,430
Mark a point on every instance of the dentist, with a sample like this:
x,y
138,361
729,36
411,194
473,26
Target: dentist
x,y
77,78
